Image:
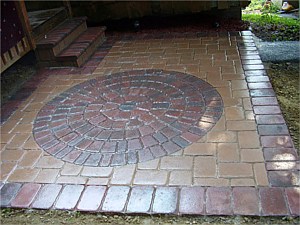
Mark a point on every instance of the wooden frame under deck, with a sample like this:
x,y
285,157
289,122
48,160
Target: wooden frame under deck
x,y
28,42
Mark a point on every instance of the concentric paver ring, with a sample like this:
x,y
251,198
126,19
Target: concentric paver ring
x,y
127,117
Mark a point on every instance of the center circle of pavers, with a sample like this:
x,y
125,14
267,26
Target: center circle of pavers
x,y
127,117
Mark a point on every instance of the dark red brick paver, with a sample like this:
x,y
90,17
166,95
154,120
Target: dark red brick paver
x,y
284,178
218,201
192,200
122,112
26,195
293,199
163,200
276,141
273,202
245,201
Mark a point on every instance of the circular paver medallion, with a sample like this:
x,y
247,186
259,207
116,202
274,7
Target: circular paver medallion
x,y
127,117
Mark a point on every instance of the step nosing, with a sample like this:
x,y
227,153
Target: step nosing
x,y
59,33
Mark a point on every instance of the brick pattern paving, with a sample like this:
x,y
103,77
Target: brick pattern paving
x,y
281,159
42,74
127,118
154,200
247,162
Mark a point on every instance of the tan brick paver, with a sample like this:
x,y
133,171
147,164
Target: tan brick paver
x,y
18,141
47,176
228,155
152,164
30,144
176,163
248,139
30,158
252,155
235,170
201,149
205,167
97,171
180,178
11,155
23,175
6,169
123,175
71,180
228,152
260,173
242,182
6,137
98,181
211,182
72,170
49,162
151,177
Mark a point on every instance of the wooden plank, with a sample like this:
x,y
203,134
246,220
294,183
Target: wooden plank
x,y
22,12
6,57
67,4
19,47
25,43
12,55
223,5
2,63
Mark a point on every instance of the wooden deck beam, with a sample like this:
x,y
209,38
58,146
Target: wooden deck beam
x,y
22,12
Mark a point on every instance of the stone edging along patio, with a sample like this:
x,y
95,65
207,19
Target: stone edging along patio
x,y
281,160
153,200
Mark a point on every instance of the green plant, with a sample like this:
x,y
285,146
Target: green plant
x,y
268,18
271,8
272,27
255,5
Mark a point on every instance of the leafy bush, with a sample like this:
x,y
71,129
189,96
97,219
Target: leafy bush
x,y
272,8
255,5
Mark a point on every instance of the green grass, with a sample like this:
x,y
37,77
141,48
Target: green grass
x,y
271,27
267,19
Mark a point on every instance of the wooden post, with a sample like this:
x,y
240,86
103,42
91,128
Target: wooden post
x,y
22,12
68,7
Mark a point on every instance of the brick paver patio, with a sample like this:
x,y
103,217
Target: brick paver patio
x,y
181,123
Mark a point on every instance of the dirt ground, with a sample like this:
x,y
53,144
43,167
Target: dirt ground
x,y
34,217
14,77
285,80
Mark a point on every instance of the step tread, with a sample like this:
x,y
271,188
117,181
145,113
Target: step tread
x,y
61,31
40,17
80,44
